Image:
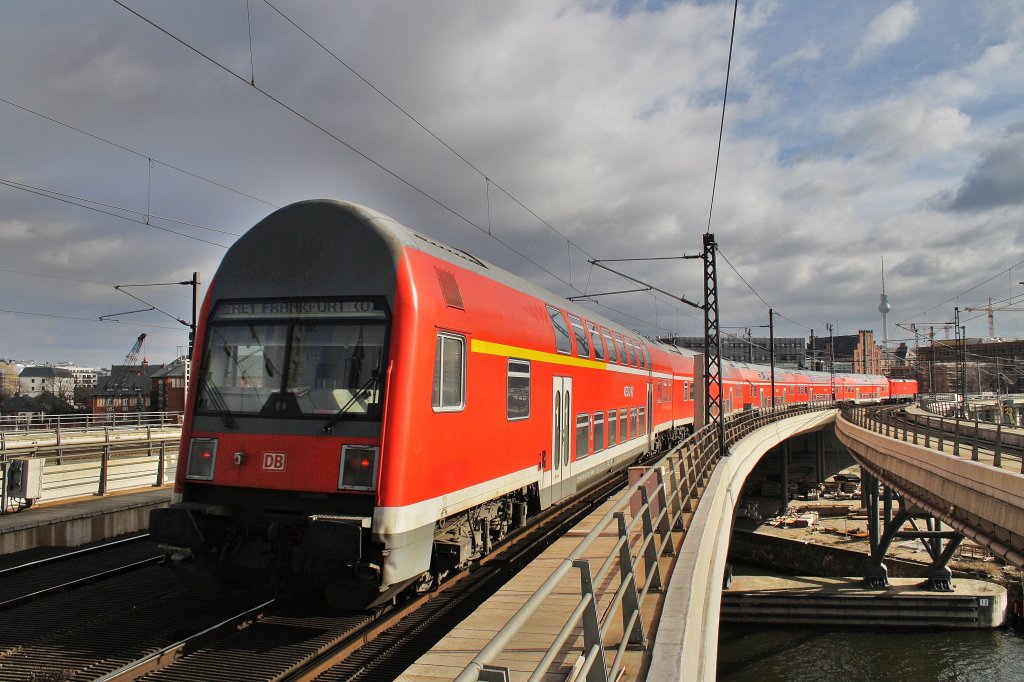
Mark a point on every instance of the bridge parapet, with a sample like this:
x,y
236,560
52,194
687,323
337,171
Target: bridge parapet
x,y
983,502
659,523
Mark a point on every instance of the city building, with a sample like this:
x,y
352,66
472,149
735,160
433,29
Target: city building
x,y
850,353
169,386
128,388
85,377
789,352
989,366
9,382
34,381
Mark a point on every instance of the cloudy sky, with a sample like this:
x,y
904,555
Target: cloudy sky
x,y
854,131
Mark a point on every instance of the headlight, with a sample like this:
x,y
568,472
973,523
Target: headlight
x,y
358,467
202,456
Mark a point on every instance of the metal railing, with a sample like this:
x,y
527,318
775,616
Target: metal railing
x,y
39,421
667,492
111,465
936,432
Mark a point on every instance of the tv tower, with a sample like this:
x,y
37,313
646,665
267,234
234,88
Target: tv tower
x,y
884,307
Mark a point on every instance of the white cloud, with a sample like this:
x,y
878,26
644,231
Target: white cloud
x,y
888,28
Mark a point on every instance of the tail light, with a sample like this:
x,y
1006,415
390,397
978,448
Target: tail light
x,y
358,467
202,456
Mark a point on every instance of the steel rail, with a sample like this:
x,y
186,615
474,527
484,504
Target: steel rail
x,y
172,652
11,570
78,582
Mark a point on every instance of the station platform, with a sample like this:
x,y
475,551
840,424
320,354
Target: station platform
x,y
451,655
80,521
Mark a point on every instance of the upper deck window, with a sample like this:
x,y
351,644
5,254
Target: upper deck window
x,y
562,342
613,353
623,356
595,336
294,359
582,340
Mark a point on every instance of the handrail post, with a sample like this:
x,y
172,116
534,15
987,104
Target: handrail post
x,y
160,467
997,450
630,599
956,437
974,443
677,498
651,551
591,625
942,432
663,526
104,465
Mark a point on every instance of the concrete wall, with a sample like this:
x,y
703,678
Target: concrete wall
x,y
985,503
686,647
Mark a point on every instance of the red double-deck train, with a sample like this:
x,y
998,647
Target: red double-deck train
x,y
371,409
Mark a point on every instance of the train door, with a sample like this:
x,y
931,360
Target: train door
x,y
650,417
561,430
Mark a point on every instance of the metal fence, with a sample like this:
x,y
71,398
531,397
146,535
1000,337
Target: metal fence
x,y
963,435
40,421
116,459
648,521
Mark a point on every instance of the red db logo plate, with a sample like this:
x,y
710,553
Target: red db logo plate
x,y
273,461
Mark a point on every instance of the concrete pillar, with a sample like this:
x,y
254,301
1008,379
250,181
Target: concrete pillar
x,y
819,456
784,477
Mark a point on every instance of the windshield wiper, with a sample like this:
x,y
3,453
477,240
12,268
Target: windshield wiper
x,y
365,389
220,405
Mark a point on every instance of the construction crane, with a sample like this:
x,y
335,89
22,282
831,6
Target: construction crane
x,y
118,383
990,309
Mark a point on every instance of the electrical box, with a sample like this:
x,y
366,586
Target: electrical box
x,y
25,478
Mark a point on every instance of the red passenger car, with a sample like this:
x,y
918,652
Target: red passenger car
x,y
372,409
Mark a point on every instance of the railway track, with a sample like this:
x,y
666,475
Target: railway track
x,y
297,642
91,627
24,582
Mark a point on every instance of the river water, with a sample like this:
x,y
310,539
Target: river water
x,y
768,653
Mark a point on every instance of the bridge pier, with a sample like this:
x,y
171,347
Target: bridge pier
x,y
881,535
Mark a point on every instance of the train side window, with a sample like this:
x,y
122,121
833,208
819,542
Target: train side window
x,y
613,418
647,355
641,357
632,423
562,342
686,390
623,356
595,337
582,435
629,351
518,393
641,421
613,353
449,394
598,432
623,425
582,340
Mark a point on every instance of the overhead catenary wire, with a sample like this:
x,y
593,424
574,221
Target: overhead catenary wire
x,y
370,159
82,202
721,126
85,319
75,279
142,155
363,155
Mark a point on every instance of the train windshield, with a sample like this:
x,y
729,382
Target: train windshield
x,y
302,366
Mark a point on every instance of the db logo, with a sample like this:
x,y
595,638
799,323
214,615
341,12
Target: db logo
x,y
273,461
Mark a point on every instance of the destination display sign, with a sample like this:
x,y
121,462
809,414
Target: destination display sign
x,y
247,310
